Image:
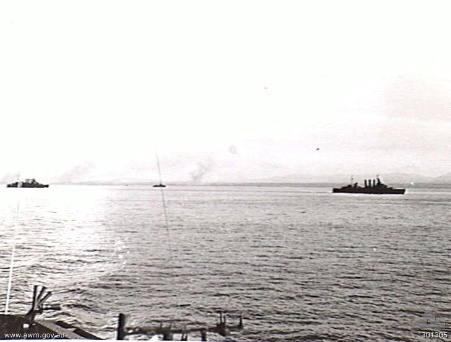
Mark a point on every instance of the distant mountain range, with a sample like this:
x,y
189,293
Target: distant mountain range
x,y
391,178
136,177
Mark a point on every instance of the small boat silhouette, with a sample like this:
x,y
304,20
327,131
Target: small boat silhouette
x,y
28,183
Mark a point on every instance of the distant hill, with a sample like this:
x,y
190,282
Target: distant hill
x,y
137,174
392,178
340,179
443,179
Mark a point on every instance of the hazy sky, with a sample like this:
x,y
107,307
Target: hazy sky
x,y
232,89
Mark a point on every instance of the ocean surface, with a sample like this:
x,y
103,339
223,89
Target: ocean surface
x,y
300,263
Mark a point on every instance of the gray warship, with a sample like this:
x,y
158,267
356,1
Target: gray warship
x,y
371,186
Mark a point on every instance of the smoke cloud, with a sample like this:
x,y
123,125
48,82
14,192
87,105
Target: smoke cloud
x,y
203,169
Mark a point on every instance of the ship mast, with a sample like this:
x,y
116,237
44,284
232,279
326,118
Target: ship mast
x,y
13,252
158,166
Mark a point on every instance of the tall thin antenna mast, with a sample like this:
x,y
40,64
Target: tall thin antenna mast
x,y
13,253
163,199
158,166
166,221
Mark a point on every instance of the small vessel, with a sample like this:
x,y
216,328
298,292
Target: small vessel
x,y
371,186
28,183
160,185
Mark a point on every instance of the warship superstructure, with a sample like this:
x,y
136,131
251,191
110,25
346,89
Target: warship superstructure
x,y
371,186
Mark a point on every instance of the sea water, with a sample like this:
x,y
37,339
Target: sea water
x,y
299,263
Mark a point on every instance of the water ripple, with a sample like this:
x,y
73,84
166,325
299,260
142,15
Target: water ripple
x,y
300,265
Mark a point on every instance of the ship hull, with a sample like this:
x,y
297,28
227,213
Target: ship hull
x,y
15,185
371,191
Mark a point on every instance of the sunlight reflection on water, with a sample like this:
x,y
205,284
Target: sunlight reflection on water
x,y
299,262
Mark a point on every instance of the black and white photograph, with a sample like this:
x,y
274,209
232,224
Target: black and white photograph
x,y
255,171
